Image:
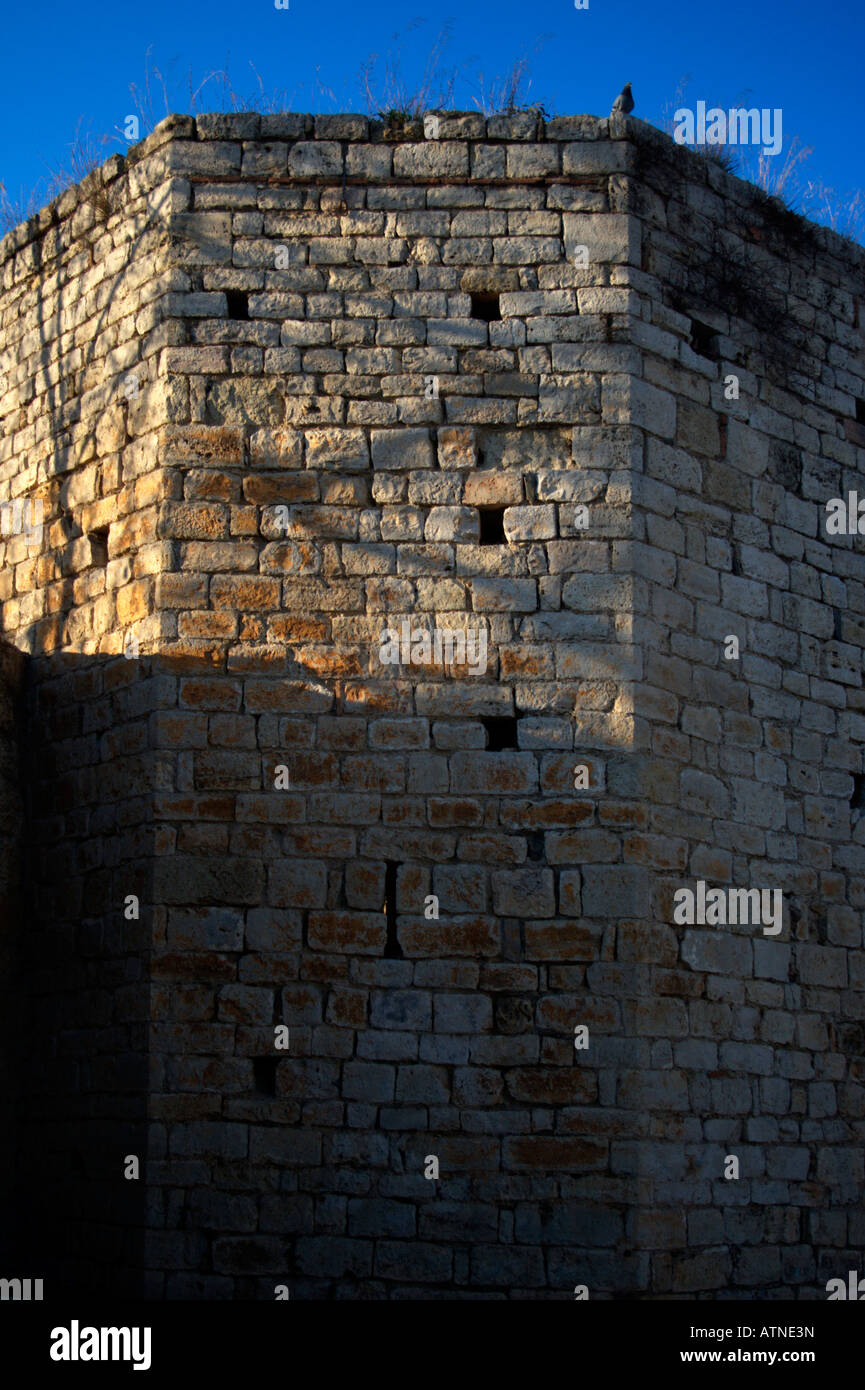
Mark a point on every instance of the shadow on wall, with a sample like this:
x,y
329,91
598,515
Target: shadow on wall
x,y
12,675
79,972
76,1050
144,1036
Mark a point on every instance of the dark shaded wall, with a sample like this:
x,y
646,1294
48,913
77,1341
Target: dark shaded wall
x,y
12,676
83,1056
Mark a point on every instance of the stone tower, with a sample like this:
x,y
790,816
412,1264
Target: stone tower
x,y
434,584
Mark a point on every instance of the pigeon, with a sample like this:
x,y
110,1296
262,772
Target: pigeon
x,y
624,102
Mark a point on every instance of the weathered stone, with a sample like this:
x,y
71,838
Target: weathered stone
x,y
380,687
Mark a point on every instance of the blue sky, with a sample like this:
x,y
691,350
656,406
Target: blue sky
x,y
68,67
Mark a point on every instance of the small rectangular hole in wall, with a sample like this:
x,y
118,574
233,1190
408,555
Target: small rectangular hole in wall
x,y
492,526
99,548
264,1074
535,844
857,800
501,732
860,412
703,339
238,304
485,305
392,948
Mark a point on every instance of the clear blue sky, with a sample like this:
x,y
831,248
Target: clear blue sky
x,y
68,67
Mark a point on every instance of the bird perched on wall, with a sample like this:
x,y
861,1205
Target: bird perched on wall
x,y
624,102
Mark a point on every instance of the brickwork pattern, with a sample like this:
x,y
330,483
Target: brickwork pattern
x,y
245,371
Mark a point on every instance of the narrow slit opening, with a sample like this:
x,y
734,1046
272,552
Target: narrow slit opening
x,y
703,339
238,304
485,306
392,948
264,1075
492,530
501,730
99,548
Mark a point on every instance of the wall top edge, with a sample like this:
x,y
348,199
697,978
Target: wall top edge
x,y
647,145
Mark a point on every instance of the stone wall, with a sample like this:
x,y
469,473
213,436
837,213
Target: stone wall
x,y
80,407
12,668
753,765
318,383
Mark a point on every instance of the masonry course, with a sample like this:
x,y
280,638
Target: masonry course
x,y
244,371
